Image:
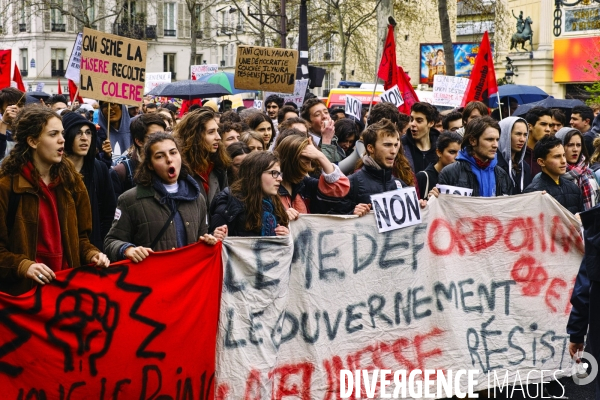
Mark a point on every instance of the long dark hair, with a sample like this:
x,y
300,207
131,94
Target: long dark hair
x,y
248,189
255,120
191,130
143,173
584,152
30,122
289,151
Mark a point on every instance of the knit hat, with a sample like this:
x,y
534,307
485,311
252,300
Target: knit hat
x,y
212,105
72,119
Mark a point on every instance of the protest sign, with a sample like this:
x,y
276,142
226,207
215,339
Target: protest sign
x,y
449,189
40,87
258,104
396,209
198,71
353,107
113,68
153,79
392,95
449,90
5,68
132,331
297,97
469,288
266,68
74,66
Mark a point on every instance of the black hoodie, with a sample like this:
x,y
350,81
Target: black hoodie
x,y
419,160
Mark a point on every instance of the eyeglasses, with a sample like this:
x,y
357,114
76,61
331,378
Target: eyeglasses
x,y
86,133
274,173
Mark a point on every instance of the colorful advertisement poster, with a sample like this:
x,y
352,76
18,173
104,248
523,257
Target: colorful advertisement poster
x,y
432,61
574,59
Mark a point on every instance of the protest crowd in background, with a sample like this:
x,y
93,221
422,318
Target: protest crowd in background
x,y
105,182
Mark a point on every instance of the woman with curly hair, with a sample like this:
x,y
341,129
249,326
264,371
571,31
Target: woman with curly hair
x,y
264,126
164,211
202,149
251,205
45,214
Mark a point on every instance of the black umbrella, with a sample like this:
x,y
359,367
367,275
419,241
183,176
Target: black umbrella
x,y
549,102
189,90
39,95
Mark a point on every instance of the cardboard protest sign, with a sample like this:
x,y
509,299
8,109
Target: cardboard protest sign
x,y
139,330
449,90
5,68
392,95
153,79
266,68
449,189
396,209
353,107
113,68
73,69
296,97
469,288
198,71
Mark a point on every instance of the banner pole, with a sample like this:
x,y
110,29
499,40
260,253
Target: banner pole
x,y
75,99
108,124
500,105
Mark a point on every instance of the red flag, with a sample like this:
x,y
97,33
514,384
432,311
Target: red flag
x,y
59,87
138,330
73,91
408,93
5,63
18,79
482,83
388,70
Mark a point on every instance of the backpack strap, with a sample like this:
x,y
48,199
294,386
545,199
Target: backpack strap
x,y
163,230
13,204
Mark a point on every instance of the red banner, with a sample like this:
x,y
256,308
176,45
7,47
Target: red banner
x,y
482,83
74,91
387,67
5,71
132,331
408,93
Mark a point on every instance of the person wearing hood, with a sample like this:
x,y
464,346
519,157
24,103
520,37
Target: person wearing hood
x,y
420,140
476,165
80,148
164,211
119,140
578,170
511,152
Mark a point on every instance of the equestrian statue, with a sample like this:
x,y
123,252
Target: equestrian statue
x,y
524,32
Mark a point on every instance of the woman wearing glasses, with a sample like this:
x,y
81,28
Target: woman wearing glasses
x,y
251,205
45,215
80,148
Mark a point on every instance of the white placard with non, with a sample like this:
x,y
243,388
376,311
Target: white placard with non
x,y
74,67
392,95
40,87
396,209
153,79
353,107
449,90
449,189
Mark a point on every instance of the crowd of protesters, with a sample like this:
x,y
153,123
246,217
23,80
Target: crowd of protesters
x,y
81,185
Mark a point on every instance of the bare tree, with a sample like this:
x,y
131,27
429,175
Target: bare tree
x,y
446,36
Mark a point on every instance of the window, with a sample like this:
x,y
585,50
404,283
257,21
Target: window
x,y
169,64
170,29
23,57
58,22
58,62
223,55
89,7
231,54
199,59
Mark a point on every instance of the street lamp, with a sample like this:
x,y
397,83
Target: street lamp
x,y
558,12
510,71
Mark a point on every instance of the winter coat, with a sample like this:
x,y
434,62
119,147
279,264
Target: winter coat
x,y
317,196
217,181
460,174
120,139
226,209
19,246
520,180
534,167
419,160
141,215
565,192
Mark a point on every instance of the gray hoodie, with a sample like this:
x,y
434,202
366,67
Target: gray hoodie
x,y
505,146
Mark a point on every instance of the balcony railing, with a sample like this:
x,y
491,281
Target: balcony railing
x,y
58,72
135,31
58,27
22,27
170,32
24,72
199,34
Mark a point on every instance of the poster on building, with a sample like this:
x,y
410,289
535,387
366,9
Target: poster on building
x,y
433,62
574,59
113,68
266,68
198,71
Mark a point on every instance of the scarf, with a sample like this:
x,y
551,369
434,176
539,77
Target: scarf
x,y
269,221
485,175
204,177
369,162
583,177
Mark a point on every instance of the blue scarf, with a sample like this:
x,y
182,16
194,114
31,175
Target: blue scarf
x,y
486,177
269,221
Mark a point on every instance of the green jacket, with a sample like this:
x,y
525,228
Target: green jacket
x,y
140,217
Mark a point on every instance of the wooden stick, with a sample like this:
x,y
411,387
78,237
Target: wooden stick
x,y
108,124
75,98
